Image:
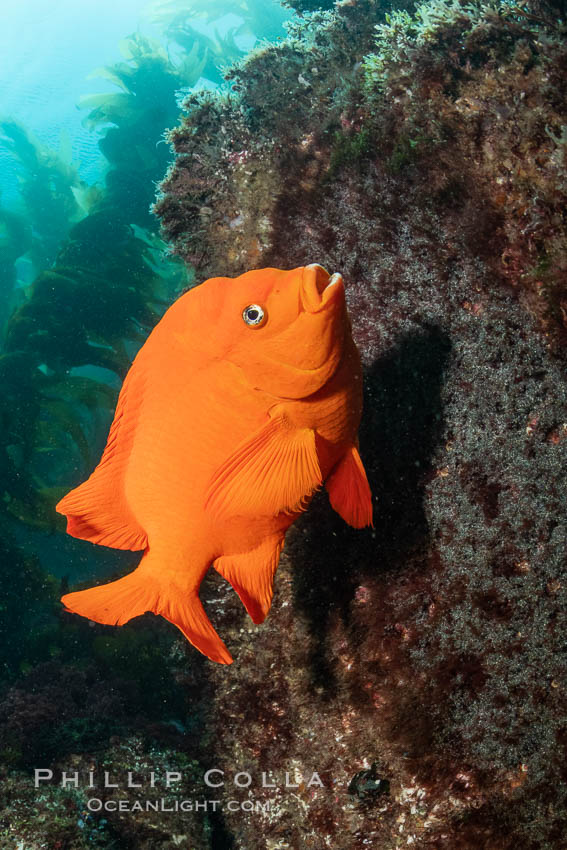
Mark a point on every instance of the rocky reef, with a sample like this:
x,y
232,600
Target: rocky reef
x,y
418,668
423,154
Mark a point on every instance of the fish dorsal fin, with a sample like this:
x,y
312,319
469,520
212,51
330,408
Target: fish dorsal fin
x,y
252,576
275,470
349,491
97,510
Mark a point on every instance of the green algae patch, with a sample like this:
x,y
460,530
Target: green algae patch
x,y
347,150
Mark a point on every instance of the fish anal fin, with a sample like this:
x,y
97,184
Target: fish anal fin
x,y
188,614
349,491
252,576
119,601
275,470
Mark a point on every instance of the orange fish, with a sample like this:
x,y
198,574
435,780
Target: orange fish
x,y
243,401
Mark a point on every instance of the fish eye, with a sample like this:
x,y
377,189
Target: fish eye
x,y
253,315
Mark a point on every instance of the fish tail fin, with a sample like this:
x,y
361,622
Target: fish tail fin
x,y
119,601
114,603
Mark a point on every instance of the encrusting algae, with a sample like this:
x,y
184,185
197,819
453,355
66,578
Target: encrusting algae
x,y
245,399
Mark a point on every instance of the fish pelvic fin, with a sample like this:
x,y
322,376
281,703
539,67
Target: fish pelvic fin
x,y
119,601
252,576
349,491
275,470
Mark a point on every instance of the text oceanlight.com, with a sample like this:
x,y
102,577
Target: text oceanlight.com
x,y
95,804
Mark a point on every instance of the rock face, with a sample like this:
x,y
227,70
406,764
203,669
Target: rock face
x,y
429,167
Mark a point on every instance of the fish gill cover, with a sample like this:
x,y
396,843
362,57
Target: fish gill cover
x,y
421,151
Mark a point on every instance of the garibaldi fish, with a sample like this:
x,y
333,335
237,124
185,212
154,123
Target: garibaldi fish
x,y
244,400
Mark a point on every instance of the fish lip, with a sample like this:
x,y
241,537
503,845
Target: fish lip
x,y
319,288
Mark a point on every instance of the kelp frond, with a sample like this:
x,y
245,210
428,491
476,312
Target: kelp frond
x,y
260,18
72,340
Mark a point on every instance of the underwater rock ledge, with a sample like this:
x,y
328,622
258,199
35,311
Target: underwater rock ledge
x,y
426,161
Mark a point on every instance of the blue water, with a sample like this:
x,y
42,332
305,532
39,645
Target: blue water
x,y
50,51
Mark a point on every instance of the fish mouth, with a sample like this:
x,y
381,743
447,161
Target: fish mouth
x,y
319,289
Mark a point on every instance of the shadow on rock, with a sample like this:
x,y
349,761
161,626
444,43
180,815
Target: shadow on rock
x,y
401,428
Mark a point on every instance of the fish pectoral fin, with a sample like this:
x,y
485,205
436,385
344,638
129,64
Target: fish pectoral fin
x,y
252,576
276,470
119,601
349,491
